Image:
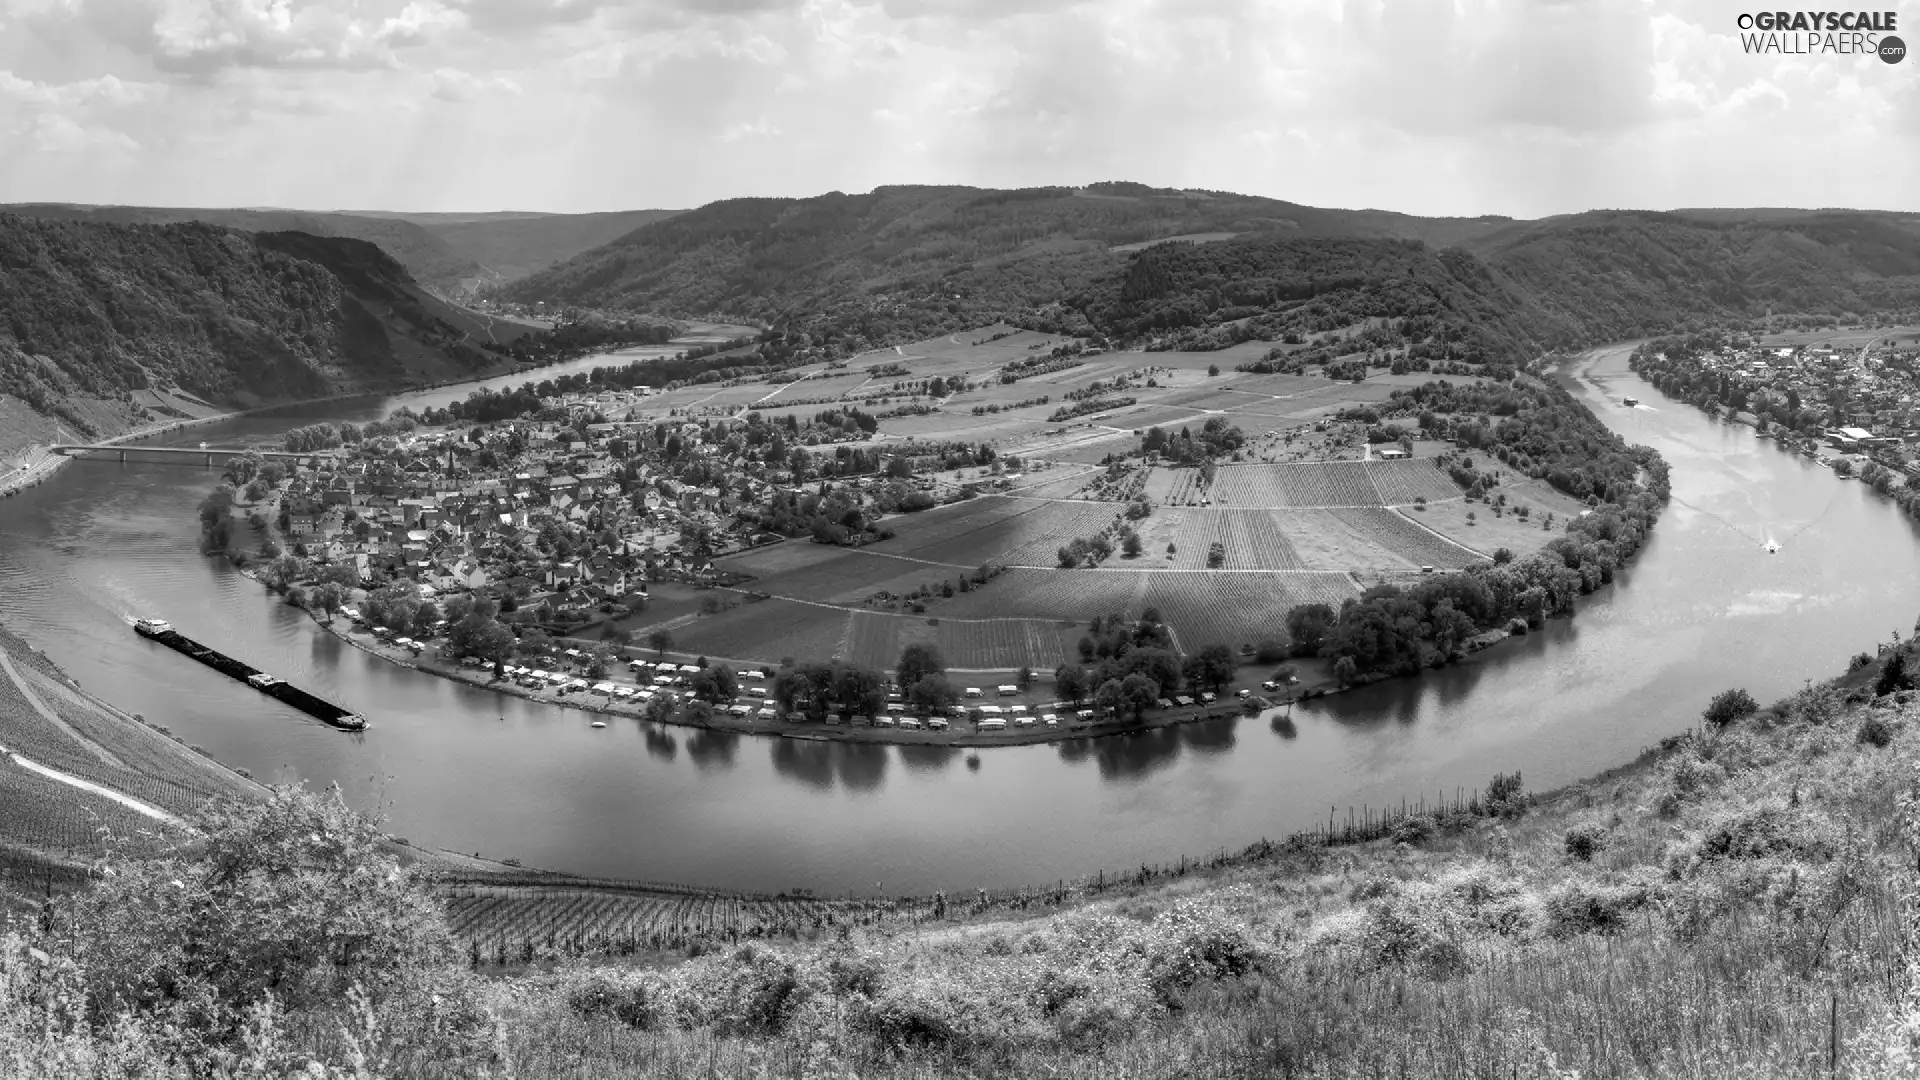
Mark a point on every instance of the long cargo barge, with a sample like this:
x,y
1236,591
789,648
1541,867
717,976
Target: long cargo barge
x,y
273,687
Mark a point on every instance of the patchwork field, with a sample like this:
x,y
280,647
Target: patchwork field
x,y
1306,514
964,534
765,630
1249,539
851,578
1328,483
1202,606
1401,482
1407,539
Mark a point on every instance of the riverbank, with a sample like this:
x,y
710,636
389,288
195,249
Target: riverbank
x,y
41,465
1071,728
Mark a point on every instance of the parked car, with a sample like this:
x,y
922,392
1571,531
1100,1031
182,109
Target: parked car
x,y
1270,685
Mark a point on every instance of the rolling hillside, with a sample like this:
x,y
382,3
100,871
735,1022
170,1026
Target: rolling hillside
x,y
760,256
94,318
905,262
451,254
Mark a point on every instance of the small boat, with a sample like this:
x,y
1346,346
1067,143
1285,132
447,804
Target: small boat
x,y
599,723
1630,402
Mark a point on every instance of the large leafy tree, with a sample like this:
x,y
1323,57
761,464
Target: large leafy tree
x,y
917,662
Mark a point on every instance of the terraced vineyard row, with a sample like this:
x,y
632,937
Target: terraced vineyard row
x,y
178,787
158,769
1308,484
871,640
1205,607
1001,644
1249,540
515,923
1405,538
875,640
957,533
1036,537
1401,482
1175,487
57,818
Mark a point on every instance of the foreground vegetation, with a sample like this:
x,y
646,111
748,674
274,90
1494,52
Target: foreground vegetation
x,y
1740,902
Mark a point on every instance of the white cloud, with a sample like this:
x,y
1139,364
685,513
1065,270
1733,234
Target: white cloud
x,y
758,129
1462,106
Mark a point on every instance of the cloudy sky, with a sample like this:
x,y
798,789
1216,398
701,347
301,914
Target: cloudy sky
x,y
1521,107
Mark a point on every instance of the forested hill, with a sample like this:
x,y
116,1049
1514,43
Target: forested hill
x,y
95,318
763,256
451,254
902,262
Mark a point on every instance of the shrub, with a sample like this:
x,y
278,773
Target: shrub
x,y
1687,777
1728,706
1893,674
1875,730
1270,651
1766,831
1413,830
1580,907
1416,933
1584,842
1192,941
1506,796
634,998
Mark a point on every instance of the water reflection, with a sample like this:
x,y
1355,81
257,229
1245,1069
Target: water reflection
x,y
713,750
924,758
1282,724
660,742
1210,736
1137,755
823,765
861,766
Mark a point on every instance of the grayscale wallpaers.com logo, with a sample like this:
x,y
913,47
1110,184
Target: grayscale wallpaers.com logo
x,y
1810,33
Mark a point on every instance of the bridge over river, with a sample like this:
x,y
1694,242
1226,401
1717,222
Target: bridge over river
x,y
182,455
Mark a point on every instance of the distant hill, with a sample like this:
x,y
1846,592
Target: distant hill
x,y
760,257
509,246
903,262
92,315
451,254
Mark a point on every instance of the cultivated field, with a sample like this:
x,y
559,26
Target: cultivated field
x,y
765,630
1307,513
1202,606
506,921
1329,483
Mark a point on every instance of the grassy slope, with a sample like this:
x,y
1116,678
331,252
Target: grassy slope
x,y
1741,915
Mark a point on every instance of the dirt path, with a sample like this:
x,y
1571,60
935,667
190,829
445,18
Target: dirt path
x,y
33,699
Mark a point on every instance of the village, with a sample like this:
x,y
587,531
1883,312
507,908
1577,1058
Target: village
x,y
565,527
1848,404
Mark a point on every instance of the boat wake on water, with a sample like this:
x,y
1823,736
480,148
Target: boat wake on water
x,y
1766,538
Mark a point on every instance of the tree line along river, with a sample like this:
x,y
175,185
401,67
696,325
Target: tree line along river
x,y
1705,606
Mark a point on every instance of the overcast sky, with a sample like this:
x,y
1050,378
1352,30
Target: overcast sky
x,y
1519,107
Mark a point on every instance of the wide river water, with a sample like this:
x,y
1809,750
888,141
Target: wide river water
x,y
1704,607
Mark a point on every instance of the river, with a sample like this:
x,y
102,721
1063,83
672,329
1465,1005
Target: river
x,y
1704,607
